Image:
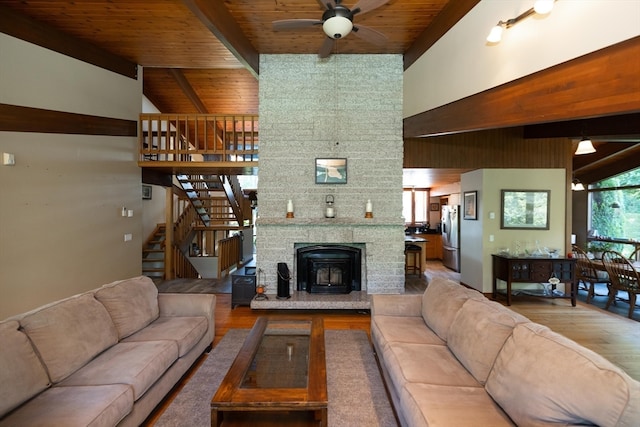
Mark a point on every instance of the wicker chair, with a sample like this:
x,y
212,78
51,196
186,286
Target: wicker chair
x,y
587,274
624,277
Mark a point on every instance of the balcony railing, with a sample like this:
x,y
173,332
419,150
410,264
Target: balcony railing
x,y
198,138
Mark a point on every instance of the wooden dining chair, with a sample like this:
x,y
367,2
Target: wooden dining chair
x,y
624,277
587,274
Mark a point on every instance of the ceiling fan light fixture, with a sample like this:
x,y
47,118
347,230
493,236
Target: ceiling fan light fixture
x,y
585,147
337,27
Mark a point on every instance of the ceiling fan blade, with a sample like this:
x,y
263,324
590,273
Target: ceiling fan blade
x,y
370,35
295,24
327,47
323,4
367,6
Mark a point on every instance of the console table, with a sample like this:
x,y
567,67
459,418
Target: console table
x,y
534,270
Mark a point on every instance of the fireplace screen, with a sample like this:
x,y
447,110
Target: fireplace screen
x,y
328,269
329,275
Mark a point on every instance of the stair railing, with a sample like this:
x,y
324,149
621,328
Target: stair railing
x,y
229,250
189,137
183,268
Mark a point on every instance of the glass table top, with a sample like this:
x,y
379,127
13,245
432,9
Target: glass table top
x,y
282,357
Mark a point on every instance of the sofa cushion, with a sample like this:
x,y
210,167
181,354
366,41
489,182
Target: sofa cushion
x,y
386,329
69,333
425,363
185,331
102,406
478,333
542,377
22,375
132,303
138,364
440,303
436,405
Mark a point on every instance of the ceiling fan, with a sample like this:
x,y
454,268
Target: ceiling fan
x,y
337,22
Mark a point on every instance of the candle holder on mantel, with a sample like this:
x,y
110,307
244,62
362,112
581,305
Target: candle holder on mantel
x,y
368,210
289,209
330,211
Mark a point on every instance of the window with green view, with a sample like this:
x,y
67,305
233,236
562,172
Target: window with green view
x,y
615,208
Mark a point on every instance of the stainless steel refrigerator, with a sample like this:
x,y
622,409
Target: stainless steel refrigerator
x,y
451,237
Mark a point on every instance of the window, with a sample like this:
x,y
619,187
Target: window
x,y
415,202
614,208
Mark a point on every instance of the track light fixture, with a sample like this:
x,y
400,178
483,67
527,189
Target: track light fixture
x,y
541,7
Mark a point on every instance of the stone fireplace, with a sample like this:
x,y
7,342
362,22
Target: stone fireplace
x,y
347,107
328,269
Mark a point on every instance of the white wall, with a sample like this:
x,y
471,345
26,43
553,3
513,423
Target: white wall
x,y
61,229
476,247
461,63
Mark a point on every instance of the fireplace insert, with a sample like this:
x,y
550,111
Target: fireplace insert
x,y
329,269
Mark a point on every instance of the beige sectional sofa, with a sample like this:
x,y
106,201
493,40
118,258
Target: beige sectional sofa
x,y
451,357
102,358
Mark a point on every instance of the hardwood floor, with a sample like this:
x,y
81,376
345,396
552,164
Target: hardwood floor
x,y
615,337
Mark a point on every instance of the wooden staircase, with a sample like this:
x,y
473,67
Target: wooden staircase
x,y
204,153
217,199
153,253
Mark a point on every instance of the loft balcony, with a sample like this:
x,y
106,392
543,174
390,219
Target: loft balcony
x,y
199,143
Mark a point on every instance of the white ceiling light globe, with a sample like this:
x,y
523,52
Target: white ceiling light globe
x,y
337,27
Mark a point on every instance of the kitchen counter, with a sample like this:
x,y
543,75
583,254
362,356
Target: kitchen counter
x,y
414,239
431,245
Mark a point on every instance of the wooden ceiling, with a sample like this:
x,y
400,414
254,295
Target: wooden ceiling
x,y
185,46
202,56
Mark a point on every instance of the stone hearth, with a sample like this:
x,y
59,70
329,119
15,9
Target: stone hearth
x,y
302,300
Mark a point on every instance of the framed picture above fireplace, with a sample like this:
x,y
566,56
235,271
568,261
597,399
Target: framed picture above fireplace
x,y
331,171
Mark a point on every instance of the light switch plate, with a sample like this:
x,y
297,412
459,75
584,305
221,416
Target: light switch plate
x,y
8,159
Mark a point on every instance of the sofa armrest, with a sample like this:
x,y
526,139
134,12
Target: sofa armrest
x,y
188,305
396,305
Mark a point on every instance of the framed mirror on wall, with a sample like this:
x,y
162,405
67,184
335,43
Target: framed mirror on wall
x,y
524,209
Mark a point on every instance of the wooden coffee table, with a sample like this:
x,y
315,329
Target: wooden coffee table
x,y
280,367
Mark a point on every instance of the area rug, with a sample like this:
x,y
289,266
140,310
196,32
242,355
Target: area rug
x,y
357,396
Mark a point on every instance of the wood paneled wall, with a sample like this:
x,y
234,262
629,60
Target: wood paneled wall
x,y
500,148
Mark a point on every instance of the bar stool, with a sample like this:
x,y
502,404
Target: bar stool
x,y
412,259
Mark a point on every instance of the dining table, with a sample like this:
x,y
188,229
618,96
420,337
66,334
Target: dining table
x,y
599,265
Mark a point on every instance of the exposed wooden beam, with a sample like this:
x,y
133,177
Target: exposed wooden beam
x,y
188,90
443,22
215,16
609,166
603,127
602,83
603,151
14,118
22,27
